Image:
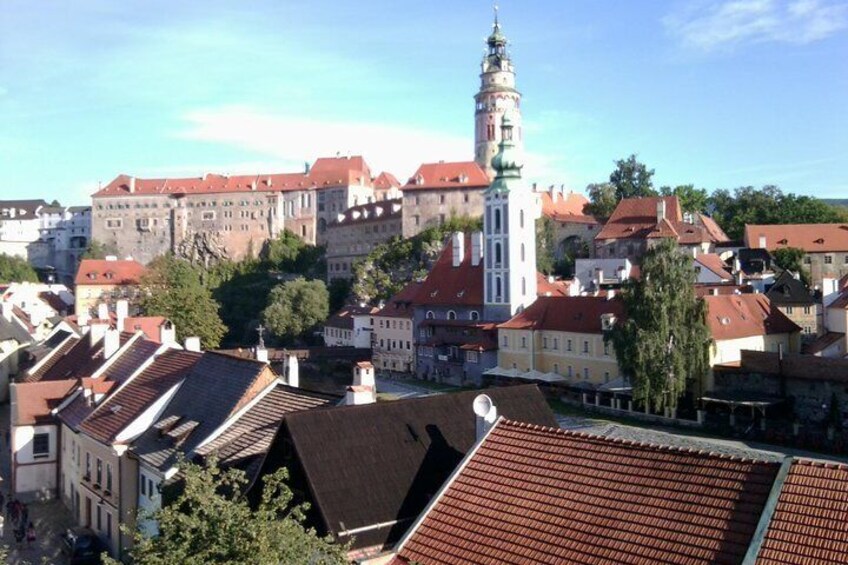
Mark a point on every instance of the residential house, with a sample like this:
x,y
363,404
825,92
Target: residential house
x,y
106,281
392,345
638,223
833,341
352,326
710,269
527,493
394,457
439,191
793,298
356,232
825,246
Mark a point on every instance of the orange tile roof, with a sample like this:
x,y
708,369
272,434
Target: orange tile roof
x,y
812,238
385,181
736,316
447,285
532,494
325,172
713,263
808,524
150,326
102,271
401,304
636,218
579,314
567,208
32,402
463,174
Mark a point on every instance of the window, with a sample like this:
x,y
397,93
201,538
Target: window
x,y
505,341
143,486
523,342
497,220
556,344
99,472
521,218
471,356
451,315
41,445
568,345
585,346
789,309
99,518
109,477
544,343
87,466
114,223
828,259
498,255
807,310
430,315
585,373
606,348
108,526
207,215
441,199
475,315
807,260
523,286
522,252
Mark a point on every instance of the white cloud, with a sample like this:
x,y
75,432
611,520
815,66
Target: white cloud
x,y
728,23
291,141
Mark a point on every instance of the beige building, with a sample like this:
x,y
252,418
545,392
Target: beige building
x,y
439,191
794,299
825,246
393,344
574,231
106,282
357,231
219,216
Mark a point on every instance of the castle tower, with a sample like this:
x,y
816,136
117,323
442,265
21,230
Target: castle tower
x,y
497,95
509,231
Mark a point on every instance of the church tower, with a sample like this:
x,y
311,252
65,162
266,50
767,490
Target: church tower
x,y
497,95
509,232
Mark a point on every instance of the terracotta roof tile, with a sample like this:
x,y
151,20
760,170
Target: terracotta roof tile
x,y
31,403
441,175
713,263
543,495
150,326
744,315
636,218
102,271
401,304
385,181
344,317
567,208
812,238
581,314
452,286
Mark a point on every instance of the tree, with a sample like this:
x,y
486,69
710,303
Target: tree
x,y
664,339
16,269
791,259
97,250
173,288
691,199
632,179
211,521
602,200
296,306
290,254
545,245
339,292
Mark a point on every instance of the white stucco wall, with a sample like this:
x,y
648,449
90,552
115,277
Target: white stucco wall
x,y
34,476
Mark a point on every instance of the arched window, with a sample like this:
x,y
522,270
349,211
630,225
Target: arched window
x,y
430,315
498,255
523,286
475,315
497,220
498,289
522,252
451,315
521,218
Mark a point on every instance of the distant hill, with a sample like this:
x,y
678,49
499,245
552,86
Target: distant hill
x,y
836,201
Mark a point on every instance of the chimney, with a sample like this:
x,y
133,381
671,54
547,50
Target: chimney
x,y
102,311
554,194
253,186
600,275
132,185
167,332
739,277
111,342
364,388
8,307
458,242
660,210
122,311
83,319
762,241
713,292
261,354
192,344
476,248
96,332
363,374
88,396
292,371
486,414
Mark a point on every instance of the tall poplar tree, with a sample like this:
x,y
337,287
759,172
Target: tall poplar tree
x,y
664,339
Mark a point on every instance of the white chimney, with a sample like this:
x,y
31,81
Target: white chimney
x,y
359,395
610,294
122,311
364,388
102,311
96,332
458,242
111,342
762,241
83,319
292,371
261,354
363,374
486,414
476,248
660,210
8,307
192,344
713,292
132,185
167,332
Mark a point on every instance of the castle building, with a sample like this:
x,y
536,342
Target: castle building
x,y
497,95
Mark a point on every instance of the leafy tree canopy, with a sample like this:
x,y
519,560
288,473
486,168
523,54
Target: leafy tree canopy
x,y
664,339
602,200
98,250
290,254
545,245
632,179
691,199
296,306
16,269
792,259
173,288
211,521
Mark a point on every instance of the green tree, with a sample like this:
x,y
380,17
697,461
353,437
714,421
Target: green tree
x,y
602,200
290,254
691,199
545,245
296,306
98,250
211,521
792,259
16,269
664,338
632,179
173,288
339,290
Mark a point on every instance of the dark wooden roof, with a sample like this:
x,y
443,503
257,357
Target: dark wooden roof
x,y
789,291
378,463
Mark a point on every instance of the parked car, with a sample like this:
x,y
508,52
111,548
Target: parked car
x,y
81,546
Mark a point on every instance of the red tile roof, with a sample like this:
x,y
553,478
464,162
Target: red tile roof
x,y
808,524
447,285
579,314
531,494
744,315
325,172
385,181
102,271
566,208
344,317
150,326
636,218
441,175
812,238
713,263
31,403
401,304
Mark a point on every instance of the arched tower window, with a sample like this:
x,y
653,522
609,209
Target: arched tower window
x,y
522,252
523,286
521,218
430,315
451,315
475,315
498,254
498,289
497,220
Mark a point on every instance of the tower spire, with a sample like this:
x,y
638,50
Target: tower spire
x,y
495,8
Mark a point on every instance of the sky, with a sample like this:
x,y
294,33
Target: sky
x,y
718,93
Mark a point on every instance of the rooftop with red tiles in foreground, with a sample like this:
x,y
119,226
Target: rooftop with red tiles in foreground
x,y
734,316
566,207
532,494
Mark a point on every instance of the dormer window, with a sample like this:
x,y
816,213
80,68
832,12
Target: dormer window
x,y
419,179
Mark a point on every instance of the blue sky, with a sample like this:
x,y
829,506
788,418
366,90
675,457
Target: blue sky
x,y
719,93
